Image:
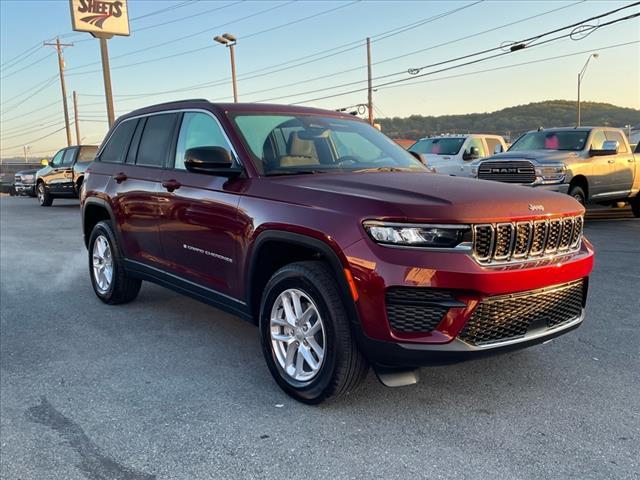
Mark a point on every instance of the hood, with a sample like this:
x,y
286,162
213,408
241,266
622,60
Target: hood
x,y
418,197
540,156
28,172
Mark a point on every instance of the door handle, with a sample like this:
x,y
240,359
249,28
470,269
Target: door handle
x,y
611,161
171,185
120,177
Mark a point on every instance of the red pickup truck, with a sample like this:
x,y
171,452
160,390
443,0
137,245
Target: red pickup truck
x,y
342,248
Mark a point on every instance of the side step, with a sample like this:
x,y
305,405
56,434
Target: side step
x,y
397,378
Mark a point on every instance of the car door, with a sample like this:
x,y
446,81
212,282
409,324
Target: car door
x,y
60,168
65,175
138,149
600,181
464,169
48,173
199,228
621,166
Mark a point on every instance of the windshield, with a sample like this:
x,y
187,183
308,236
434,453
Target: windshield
x,y
438,146
291,144
560,140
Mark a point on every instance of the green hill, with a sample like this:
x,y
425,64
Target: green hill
x,y
511,121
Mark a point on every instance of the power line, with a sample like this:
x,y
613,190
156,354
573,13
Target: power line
x,y
527,41
21,56
50,82
162,24
178,39
33,141
307,59
513,65
27,66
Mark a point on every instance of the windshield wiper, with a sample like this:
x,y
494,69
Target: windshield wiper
x,y
384,169
294,172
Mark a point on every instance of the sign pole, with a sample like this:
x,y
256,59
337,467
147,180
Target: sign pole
x,y
106,75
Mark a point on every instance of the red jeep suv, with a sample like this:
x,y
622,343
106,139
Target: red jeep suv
x,y
339,244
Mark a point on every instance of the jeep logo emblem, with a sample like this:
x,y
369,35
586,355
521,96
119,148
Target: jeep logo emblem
x,y
536,208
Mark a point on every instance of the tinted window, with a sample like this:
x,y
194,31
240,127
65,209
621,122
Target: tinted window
x,y
492,144
597,140
617,137
573,140
116,148
87,154
198,130
135,141
67,160
57,159
156,139
477,143
438,146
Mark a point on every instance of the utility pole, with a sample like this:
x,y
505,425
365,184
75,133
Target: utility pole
x,y
580,76
59,46
230,41
24,148
369,83
75,116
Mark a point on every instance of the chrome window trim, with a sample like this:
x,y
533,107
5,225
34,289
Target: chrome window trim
x,y
175,110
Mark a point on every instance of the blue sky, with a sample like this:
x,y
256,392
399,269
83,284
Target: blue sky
x,y
274,32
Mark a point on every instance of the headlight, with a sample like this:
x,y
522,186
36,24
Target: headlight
x,y
474,170
424,235
551,173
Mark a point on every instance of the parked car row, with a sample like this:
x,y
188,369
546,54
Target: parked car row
x,y
592,164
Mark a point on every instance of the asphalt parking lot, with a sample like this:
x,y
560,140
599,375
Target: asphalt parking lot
x,y
168,388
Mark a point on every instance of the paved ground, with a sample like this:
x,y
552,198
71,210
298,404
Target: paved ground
x,y
169,388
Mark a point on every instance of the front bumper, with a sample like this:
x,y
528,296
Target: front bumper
x,y
378,270
25,188
408,355
557,187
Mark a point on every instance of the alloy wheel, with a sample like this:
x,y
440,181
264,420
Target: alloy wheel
x,y
102,262
298,336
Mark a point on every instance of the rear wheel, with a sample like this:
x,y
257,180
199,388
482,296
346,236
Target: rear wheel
x,y
108,277
306,337
578,193
44,197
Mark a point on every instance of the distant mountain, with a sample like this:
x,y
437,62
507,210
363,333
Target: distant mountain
x,y
512,121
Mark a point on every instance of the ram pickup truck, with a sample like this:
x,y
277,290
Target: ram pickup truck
x,y
25,182
340,245
454,154
64,174
592,164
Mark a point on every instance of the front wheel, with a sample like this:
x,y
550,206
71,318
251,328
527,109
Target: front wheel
x,y
44,197
305,334
578,193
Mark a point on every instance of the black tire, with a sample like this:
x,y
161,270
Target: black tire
x,y
44,197
344,367
123,288
578,193
635,205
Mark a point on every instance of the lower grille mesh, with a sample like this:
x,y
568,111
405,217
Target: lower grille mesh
x,y
417,310
511,316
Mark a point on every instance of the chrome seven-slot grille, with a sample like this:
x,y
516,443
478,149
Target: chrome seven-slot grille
x,y
507,242
509,317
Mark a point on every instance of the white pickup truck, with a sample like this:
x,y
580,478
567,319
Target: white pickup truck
x,y
454,154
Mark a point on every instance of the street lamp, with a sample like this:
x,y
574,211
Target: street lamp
x,y
580,76
229,40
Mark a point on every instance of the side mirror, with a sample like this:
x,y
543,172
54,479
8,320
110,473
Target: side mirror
x,y
44,162
472,154
609,147
210,160
498,149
